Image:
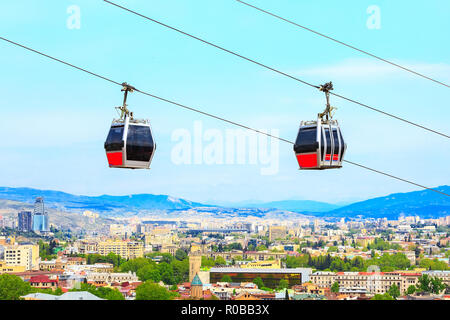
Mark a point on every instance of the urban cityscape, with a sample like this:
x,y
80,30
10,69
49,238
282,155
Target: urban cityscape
x,y
206,257
224,158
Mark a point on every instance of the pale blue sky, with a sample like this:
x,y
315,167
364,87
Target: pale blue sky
x,y
55,119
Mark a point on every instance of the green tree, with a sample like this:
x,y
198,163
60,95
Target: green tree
x,y
411,289
109,294
394,291
208,262
430,284
284,284
134,265
220,261
166,271
149,272
101,292
433,264
226,278
180,254
152,291
261,248
335,287
115,259
258,281
46,250
13,287
180,270
385,296
332,249
58,291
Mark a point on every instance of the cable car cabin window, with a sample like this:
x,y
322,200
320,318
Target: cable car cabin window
x,y
306,140
328,139
322,146
342,144
114,141
139,143
336,142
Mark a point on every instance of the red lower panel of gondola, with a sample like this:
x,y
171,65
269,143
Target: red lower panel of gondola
x,y
114,158
308,160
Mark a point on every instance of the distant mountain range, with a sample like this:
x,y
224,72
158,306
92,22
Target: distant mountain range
x,y
104,203
294,205
427,204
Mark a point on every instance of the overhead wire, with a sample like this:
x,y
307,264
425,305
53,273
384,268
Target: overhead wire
x,y
344,44
276,70
203,112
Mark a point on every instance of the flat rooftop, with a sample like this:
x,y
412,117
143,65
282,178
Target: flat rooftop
x,y
261,270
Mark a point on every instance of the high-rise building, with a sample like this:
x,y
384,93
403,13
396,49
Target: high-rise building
x,y
40,218
277,232
25,221
39,207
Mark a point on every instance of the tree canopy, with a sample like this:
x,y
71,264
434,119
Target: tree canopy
x,y
153,291
13,287
430,284
335,287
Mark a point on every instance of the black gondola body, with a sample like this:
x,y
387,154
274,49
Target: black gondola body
x,y
320,144
129,143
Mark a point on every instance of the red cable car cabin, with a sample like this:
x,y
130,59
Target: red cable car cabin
x,y
319,145
130,144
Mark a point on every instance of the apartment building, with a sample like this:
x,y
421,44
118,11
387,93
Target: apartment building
x,y
87,247
374,282
4,268
269,264
109,277
125,249
171,249
25,255
277,232
251,255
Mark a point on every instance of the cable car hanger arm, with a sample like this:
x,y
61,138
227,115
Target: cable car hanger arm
x,y
327,87
123,109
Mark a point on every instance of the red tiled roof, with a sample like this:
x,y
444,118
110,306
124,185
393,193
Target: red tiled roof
x,y
369,273
41,279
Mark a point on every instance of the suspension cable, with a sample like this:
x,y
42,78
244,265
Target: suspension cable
x,y
276,70
202,112
343,43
